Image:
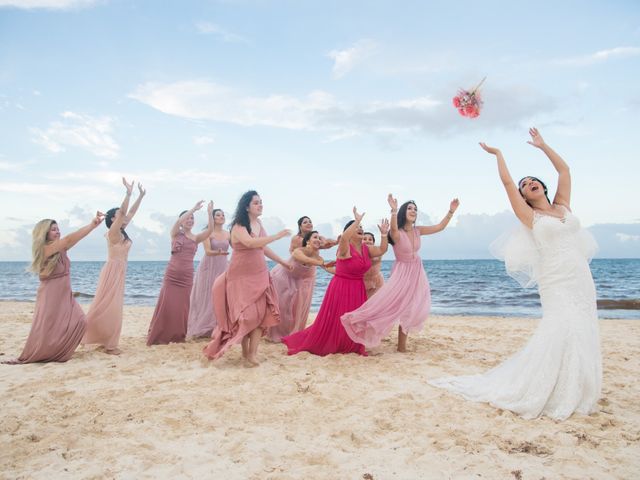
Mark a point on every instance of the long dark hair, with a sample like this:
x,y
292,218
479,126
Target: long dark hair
x,y
307,237
347,225
402,217
544,187
372,236
108,221
241,215
300,220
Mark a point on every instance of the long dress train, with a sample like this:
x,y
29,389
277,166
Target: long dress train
x,y
405,299
345,292
559,370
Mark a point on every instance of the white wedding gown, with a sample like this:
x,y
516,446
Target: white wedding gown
x,y
559,370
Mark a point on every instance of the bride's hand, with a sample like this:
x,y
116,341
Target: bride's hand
x,y
488,149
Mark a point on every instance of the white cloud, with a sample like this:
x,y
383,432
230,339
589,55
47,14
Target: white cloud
x,y
82,131
345,60
599,57
203,140
12,166
49,4
208,28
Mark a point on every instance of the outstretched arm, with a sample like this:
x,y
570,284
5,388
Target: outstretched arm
x,y
300,256
393,226
134,208
343,243
67,242
240,234
207,233
119,219
176,226
522,210
375,251
428,230
563,194
270,254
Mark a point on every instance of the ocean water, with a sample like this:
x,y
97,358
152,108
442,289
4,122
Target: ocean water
x,y
458,287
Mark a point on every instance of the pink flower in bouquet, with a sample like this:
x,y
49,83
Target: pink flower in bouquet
x,y
469,103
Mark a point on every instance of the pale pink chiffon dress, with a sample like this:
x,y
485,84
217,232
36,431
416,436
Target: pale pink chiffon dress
x,y
58,321
295,291
104,320
373,279
243,298
202,317
405,299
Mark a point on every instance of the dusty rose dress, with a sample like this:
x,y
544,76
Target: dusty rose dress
x,y
405,299
202,318
295,290
58,321
169,322
243,298
104,320
373,279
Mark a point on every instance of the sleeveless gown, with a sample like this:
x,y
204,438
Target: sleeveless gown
x,y
295,290
104,320
202,318
243,298
169,322
405,298
559,370
58,321
345,292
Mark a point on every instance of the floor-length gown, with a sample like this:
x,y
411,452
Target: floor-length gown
x,y
104,319
202,317
243,298
169,322
559,370
405,299
295,291
345,293
58,321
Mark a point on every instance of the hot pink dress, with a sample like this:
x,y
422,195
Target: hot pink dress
x,y
295,290
373,279
202,318
405,299
243,298
345,292
169,322
58,321
104,320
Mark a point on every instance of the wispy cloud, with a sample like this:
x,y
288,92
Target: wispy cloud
x,y
204,140
598,57
345,60
49,4
208,28
82,131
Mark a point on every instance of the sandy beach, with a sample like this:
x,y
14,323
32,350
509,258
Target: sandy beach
x,y
166,412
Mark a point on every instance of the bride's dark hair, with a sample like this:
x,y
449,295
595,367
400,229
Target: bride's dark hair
x,y
544,187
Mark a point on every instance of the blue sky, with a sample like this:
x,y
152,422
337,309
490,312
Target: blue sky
x,y
318,106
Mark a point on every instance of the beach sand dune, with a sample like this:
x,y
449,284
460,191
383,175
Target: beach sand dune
x,y
165,412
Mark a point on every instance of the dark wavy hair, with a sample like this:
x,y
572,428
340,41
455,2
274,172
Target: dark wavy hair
x,y
241,215
300,220
108,221
402,217
544,187
348,224
372,236
307,237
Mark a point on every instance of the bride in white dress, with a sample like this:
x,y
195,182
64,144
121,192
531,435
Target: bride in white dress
x,y
559,370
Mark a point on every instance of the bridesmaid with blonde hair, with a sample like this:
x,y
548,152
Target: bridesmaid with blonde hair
x,y
104,320
169,322
58,321
202,318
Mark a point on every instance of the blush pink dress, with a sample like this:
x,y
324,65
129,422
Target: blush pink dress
x,y
202,317
104,320
243,298
58,321
345,292
295,291
373,279
169,322
405,299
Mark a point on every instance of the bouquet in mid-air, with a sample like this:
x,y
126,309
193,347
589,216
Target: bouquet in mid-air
x,y
469,102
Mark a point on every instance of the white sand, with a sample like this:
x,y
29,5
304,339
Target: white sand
x,y
165,412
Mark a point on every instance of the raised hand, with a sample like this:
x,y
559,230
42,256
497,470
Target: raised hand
x,y
141,190
97,220
283,233
329,264
210,207
198,205
384,226
128,186
488,149
358,216
536,139
393,202
453,206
